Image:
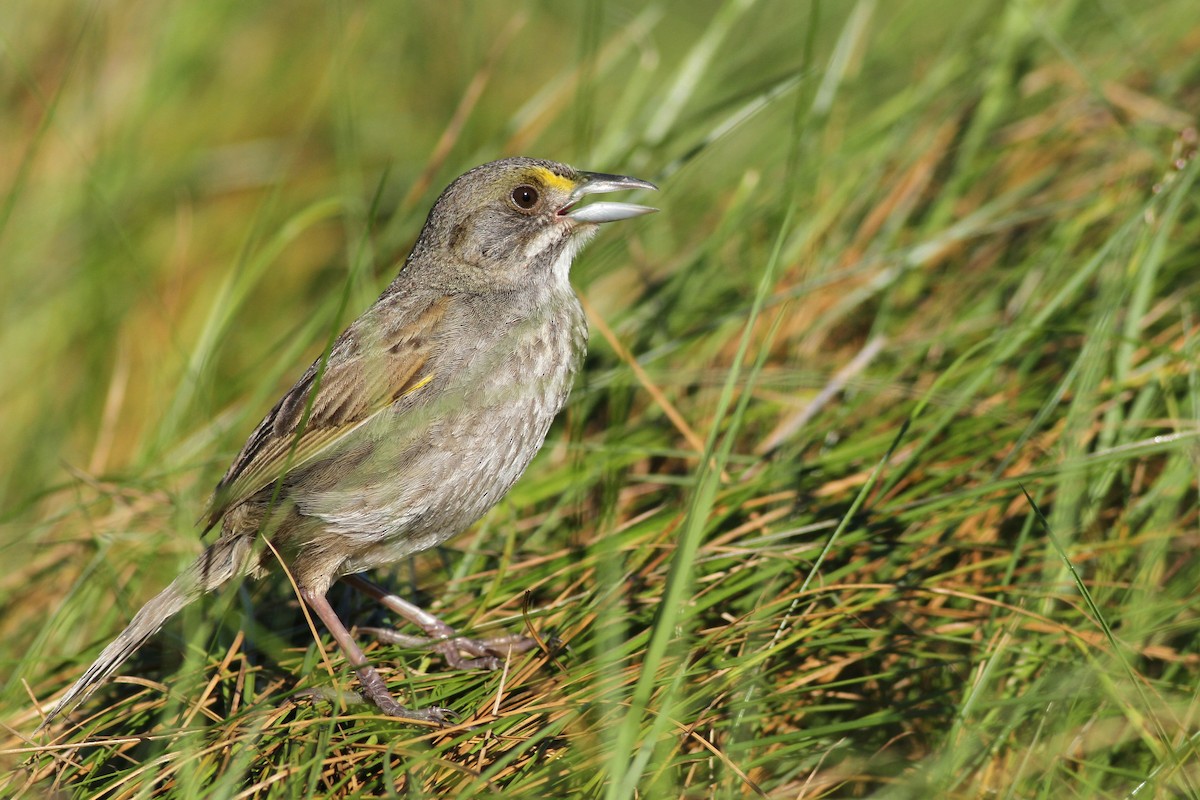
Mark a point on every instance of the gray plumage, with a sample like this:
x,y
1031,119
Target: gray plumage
x,y
429,408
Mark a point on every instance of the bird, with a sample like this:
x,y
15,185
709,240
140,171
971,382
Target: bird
x,y
417,420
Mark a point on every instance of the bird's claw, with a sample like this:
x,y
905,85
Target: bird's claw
x,y
486,654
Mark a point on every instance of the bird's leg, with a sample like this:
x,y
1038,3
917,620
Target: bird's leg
x,y
486,653
373,686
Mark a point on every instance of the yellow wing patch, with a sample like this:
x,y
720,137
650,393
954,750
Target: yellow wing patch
x,y
410,389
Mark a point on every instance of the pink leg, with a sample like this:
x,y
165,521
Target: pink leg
x,y
373,686
441,637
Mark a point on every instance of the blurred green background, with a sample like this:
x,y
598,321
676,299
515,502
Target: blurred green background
x,y
915,260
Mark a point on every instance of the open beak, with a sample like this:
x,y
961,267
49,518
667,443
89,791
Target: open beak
x,y
596,183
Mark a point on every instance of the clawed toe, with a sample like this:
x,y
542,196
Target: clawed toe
x,y
460,652
455,660
486,654
433,714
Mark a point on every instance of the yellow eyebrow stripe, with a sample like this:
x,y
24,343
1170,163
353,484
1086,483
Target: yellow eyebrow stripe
x,y
553,180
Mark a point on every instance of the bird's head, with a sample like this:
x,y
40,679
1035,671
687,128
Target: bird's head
x,y
517,220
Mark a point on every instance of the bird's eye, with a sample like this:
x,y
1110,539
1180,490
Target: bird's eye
x,y
525,197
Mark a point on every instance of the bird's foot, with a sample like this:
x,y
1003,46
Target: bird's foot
x,y
376,691
460,652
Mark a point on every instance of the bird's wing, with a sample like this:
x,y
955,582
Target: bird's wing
x,y
372,365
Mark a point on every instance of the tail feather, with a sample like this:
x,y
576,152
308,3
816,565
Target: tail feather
x,y
222,561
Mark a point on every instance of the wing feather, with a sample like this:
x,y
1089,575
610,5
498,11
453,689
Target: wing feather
x,y
382,358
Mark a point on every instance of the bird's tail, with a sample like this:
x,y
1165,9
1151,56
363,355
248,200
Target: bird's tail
x,y
222,561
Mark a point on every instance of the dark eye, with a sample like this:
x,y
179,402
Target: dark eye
x,y
525,197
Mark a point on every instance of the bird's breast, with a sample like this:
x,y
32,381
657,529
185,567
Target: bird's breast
x,y
439,464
